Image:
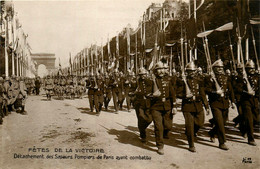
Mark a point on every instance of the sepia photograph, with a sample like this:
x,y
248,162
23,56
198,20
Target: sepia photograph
x,y
129,84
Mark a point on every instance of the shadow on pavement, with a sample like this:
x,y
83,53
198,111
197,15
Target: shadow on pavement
x,y
86,111
128,137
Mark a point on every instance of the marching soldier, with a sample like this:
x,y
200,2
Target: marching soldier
x,y
69,87
191,90
107,90
237,81
162,104
130,87
98,93
116,85
220,91
121,90
142,103
56,83
37,85
48,86
250,101
91,86
63,83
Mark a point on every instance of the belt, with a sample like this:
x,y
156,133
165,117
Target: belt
x,y
164,99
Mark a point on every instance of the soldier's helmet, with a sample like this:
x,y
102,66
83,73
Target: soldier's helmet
x,y
7,78
228,72
1,80
13,76
191,66
21,78
159,65
250,64
142,71
173,70
218,63
239,66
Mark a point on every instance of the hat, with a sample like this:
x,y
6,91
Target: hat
x,y
228,71
142,71
159,65
250,64
239,65
191,66
218,63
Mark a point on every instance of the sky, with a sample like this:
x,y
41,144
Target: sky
x,y
61,27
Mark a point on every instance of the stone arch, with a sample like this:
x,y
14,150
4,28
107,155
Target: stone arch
x,y
46,59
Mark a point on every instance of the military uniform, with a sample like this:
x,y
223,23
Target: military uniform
x,y
237,84
161,106
48,87
13,92
21,98
192,103
130,86
91,86
107,91
219,103
116,85
98,93
37,85
142,103
250,103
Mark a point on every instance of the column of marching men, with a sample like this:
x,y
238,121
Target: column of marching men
x,y
153,95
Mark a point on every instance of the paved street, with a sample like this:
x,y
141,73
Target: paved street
x,y
53,133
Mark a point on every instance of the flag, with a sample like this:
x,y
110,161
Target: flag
x,y
128,39
70,60
117,45
108,47
138,28
59,63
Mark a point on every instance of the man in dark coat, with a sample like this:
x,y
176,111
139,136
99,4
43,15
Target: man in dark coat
x,y
162,103
142,103
193,96
220,91
250,101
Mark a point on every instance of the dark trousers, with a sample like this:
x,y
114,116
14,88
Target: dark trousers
x,y
91,102
37,90
162,125
249,114
193,122
107,99
144,119
220,117
98,101
117,98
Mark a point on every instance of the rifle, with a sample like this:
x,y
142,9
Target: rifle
x,y
187,88
248,85
211,72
